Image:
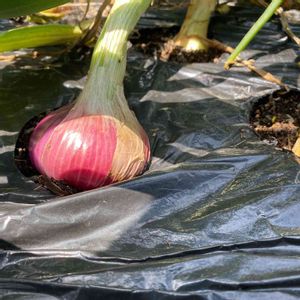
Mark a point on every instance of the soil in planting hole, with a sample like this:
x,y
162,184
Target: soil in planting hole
x,y
276,118
23,163
158,42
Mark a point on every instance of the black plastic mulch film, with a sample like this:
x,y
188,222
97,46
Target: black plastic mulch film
x,y
215,217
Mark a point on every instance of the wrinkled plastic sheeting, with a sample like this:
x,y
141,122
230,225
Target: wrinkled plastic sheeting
x,y
215,217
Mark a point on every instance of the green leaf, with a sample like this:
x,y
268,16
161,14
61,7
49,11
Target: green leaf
x,y
37,36
263,19
15,8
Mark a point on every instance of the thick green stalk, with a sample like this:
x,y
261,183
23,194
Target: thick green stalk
x,y
263,19
195,25
105,80
37,36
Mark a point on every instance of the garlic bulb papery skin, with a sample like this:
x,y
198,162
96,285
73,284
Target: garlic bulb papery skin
x,y
97,140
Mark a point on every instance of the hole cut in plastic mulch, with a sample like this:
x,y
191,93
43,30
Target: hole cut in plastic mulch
x,y
276,118
158,42
23,162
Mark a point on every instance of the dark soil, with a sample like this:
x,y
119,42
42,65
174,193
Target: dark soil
x,y
157,42
23,163
276,118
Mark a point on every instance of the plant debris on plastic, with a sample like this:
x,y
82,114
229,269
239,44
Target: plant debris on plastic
x,y
215,216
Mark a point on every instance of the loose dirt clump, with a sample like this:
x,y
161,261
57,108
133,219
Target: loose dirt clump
x,y
276,118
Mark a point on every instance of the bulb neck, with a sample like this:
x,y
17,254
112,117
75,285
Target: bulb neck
x,y
195,25
103,91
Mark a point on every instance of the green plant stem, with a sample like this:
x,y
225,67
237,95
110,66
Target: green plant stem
x,y
37,36
263,19
105,80
195,25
